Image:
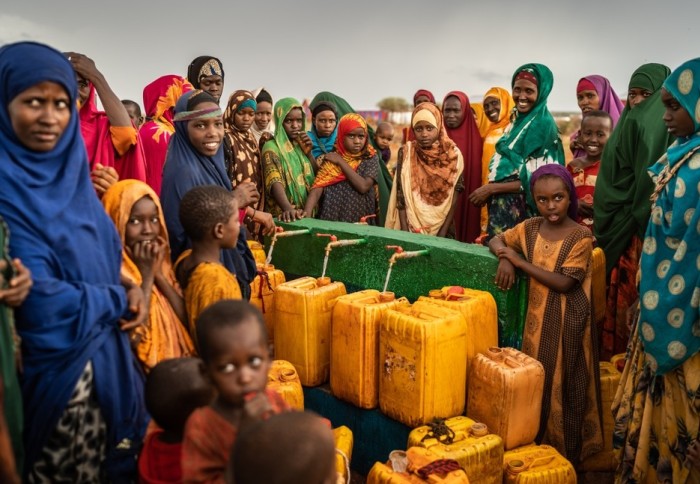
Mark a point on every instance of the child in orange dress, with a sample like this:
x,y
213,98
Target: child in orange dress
x,y
233,347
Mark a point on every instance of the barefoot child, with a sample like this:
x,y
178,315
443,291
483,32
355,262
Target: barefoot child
x,y
345,181
596,127
174,389
292,447
210,218
135,210
555,252
233,347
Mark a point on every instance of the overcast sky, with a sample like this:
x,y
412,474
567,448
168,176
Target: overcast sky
x,y
365,50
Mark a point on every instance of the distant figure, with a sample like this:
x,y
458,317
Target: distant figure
x,y
383,137
595,93
207,73
134,111
174,389
596,127
289,448
232,343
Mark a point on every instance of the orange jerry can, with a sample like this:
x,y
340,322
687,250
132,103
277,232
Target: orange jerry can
x,y
598,284
423,368
343,451
355,345
258,251
479,311
303,310
478,452
283,379
505,393
609,381
262,291
412,470
619,361
537,464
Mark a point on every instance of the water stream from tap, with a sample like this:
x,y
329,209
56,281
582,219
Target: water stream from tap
x,y
325,264
388,276
269,253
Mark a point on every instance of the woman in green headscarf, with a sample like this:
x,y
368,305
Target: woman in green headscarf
x,y
288,172
384,179
530,141
622,191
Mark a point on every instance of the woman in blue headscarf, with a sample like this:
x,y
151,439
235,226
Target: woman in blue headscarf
x,y
83,392
656,406
189,164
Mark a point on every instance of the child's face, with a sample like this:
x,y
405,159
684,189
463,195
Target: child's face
x,y
452,112
239,363
244,118
355,140
426,134
384,136
588,100
263,114
678,121
595,131
206,135
492,108
325,122
214,85
231,229
636,96
143,224
293,123
525,95
552,199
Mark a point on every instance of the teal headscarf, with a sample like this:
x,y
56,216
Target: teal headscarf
x,y
623,187
296,167
384,180
532,140
669,290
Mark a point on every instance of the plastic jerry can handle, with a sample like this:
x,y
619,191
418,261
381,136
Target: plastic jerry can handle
x,y
307,285
512,362
540,461
368,300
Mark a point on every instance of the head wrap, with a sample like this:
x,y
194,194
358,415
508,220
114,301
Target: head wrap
x,y
507,106
468,139
585,85
329,173
246,154
684,85
533,137
423,92
324,106
199,97
527,75
623,185
61,232
424,115
263,97
434,169
204,66
559,171
294,163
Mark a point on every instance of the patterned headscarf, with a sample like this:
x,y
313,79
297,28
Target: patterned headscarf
x,y
204,66
246,164
435,171
559,171
684,85
292,158
330,174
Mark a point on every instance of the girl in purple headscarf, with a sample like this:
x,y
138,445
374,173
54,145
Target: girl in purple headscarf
x,y
595,93
555,252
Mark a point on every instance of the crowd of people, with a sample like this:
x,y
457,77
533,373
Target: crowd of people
x,y
125,264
